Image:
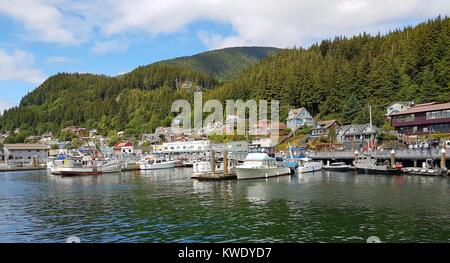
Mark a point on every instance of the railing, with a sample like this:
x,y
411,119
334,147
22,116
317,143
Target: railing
x,y
381,154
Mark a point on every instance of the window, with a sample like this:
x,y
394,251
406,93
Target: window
x,y
444,127
438,114
404,118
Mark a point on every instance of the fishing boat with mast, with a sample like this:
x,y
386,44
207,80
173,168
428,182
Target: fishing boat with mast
x,y
366,163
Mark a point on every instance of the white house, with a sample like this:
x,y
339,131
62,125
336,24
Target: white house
x,y
356,133
398,106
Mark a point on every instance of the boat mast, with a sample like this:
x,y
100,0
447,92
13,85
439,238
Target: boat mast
x,y
370,118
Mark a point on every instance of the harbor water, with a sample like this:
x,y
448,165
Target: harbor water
x,y
169,206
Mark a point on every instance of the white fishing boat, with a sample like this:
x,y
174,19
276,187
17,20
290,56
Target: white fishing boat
x,y
337,166
79,166
368,164
307,165
156,164
260,165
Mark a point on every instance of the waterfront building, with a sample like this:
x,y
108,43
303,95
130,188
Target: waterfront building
x,y
124,148
25,153
356,133
298,118
322,128
190,147
423,119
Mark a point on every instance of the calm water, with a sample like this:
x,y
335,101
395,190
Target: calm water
x,y
167,206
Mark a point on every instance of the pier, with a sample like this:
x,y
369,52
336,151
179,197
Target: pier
x,y
411,158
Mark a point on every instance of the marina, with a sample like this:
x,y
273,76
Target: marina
x,y
168,206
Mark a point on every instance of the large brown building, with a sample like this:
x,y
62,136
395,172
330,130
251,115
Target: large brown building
x,y
423,119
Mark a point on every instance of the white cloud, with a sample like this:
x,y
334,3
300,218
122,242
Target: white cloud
x,y
59,60
18,65
103,47
45,21
4,105
279,23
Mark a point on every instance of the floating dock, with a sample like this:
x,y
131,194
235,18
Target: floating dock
x,y
214,177
19,169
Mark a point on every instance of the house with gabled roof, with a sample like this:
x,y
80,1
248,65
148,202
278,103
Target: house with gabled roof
x,y
356,132
323,128
298,118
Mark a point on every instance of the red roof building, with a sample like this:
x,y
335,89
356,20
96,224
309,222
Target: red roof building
x,y
423,119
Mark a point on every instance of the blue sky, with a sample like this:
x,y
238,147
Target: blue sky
x,y
39,38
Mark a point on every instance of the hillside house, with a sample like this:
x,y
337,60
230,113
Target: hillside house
x,y
298,118
356,133
323,128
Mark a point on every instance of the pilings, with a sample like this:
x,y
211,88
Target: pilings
x,y
443,165
393,158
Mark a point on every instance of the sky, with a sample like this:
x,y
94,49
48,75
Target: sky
x,y
39,38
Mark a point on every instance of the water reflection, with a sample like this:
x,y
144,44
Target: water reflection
x,y
168,206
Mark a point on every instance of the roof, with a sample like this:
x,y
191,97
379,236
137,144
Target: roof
x,y
296,112
25,146
257,157
358,127
325,124
399,102
424,108
123,144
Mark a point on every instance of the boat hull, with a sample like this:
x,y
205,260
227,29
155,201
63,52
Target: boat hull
x,y
158,166
337,169
379,171
244,173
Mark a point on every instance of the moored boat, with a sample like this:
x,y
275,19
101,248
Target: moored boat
x,y
307,165
156,164
337,166
368,164
260,165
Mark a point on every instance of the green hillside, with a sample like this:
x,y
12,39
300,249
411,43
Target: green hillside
x,y
339,78
224,64
334,79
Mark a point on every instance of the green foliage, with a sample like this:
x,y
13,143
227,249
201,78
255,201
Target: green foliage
x,y
339,78
226,63
135,102
333,79
386,137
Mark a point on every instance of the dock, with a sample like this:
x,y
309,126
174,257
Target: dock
x,y
20,169
214,176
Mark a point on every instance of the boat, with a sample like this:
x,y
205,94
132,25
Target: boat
x,y
307,165
368,164
156,164
292,161
337,166
205,167
260,165
427,169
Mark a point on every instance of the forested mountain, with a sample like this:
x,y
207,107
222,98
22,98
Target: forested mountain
x,y
224,64
339,78
137,101
334,79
